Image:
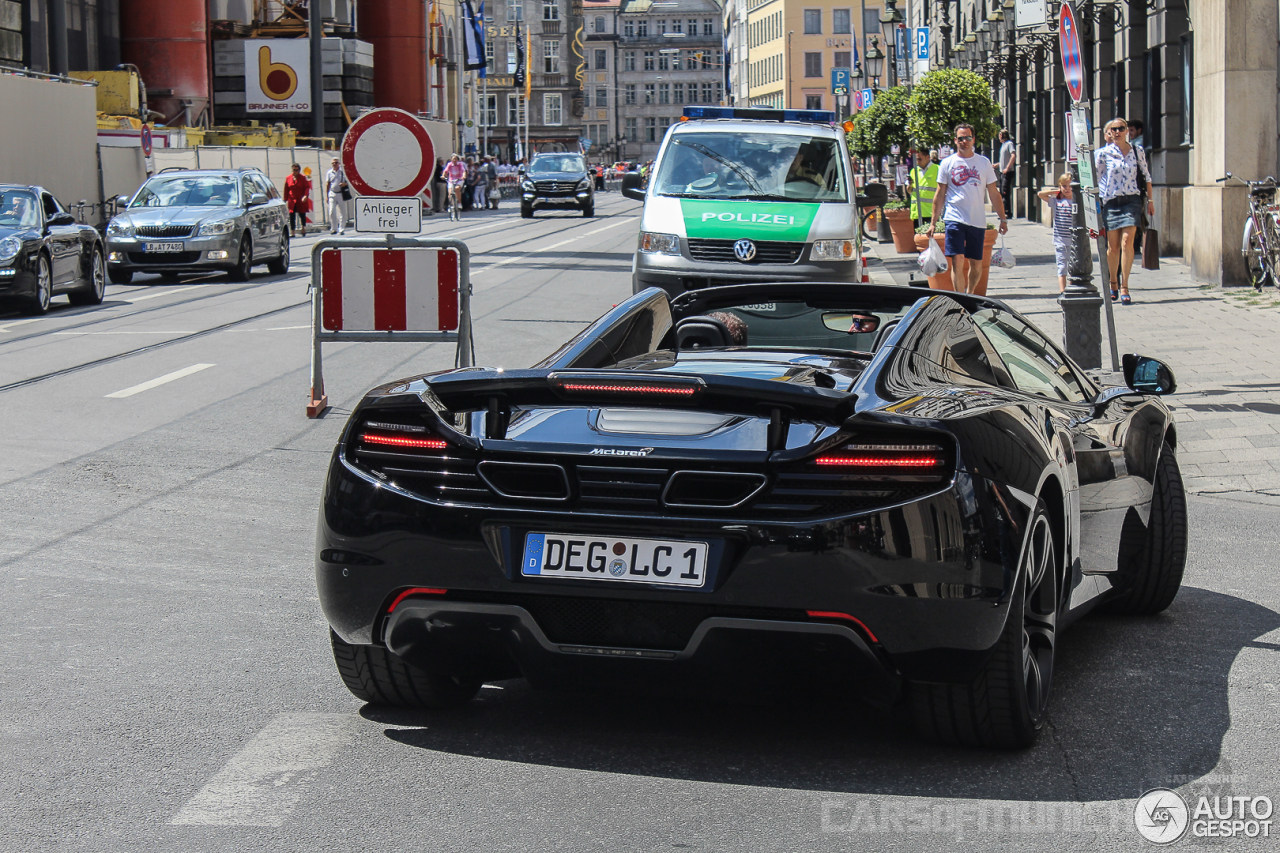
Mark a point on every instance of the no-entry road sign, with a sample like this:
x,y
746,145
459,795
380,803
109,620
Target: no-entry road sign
x,y
1069,40
387,152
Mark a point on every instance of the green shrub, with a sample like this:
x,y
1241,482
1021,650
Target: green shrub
x,y
947,97
878,129
895,205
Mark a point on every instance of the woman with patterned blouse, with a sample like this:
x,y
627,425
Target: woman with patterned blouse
x,y
1118,164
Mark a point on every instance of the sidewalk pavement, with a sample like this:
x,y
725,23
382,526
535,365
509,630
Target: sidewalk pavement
x,y
1223,346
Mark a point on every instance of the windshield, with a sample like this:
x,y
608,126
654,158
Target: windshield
x,y
19,210
853,326
557,163
190,191
769,166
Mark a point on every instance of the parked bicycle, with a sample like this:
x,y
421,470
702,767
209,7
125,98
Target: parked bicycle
x,y
1261,242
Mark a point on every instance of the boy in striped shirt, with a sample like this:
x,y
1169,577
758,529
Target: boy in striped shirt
x,y
1063,207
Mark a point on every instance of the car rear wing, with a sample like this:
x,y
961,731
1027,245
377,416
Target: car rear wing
x,y
498,391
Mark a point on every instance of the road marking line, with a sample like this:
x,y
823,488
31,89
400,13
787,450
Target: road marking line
x,y
160,380
158,295
129,332
288,328
531,252
263,782
7,326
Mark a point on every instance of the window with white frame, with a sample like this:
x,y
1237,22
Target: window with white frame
x,y
813,64
664,62
708,26
649,60
602,97
511,57
628,28
515,12
490,46
602,59
648,93
706,94
664,93
631,93
599,24
551,56
551,111
677,26
550,10
812,22
677,92
840,21
515,110
632,133
660,28
629,61
642,28
650,129
489,115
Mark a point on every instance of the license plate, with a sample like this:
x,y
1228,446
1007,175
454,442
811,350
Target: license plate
x,y
674,562
162,247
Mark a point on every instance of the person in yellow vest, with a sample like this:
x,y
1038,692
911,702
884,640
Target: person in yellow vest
x,y
922,183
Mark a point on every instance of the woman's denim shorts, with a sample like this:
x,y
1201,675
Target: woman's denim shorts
x,y
1121,212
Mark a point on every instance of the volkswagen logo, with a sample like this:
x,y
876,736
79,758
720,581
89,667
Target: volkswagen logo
x,y
744,250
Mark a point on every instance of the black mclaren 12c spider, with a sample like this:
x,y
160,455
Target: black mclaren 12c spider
x,y
905,491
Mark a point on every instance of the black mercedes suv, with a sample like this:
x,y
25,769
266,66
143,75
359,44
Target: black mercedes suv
x,y
556,180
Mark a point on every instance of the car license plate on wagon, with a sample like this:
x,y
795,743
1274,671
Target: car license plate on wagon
x,y
162,247
675,562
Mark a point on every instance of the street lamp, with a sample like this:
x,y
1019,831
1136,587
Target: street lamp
x,y
891,14
875,61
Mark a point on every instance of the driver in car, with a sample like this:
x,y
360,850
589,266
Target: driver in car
x,y
18,211
863,323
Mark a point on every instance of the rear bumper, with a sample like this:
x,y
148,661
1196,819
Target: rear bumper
x,y
502,640
927,579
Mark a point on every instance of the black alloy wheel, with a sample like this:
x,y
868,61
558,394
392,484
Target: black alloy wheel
x,y
1151,581
279,265
245,261
589,210
1005,706
97,287
39,303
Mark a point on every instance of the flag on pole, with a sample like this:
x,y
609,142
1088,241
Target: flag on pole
x,y
520,68
473,38
528,78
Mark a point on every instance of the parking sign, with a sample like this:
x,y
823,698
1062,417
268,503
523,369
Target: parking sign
x,y
922,43
839,81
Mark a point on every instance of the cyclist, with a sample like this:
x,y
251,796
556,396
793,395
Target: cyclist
x,y
455,172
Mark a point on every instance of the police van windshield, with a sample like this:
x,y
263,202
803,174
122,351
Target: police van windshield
x,y
762,166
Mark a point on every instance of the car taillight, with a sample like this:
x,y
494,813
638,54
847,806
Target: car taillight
x,y
587,384
883,456
406,436
842,617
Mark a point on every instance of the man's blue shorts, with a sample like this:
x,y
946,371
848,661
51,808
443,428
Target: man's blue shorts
x,y
965,240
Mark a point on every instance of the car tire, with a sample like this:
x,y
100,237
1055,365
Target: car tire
x,y
120,276
375,675
1155,574
279,265
244,263
589,210
1005,706
526,211
97,289
39,302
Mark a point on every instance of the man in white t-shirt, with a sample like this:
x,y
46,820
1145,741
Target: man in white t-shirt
x,y
958,201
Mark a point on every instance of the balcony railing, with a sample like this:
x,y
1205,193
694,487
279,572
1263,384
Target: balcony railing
x,y
551,28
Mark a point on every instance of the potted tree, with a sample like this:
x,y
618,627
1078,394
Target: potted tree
x,y
941,100
875,131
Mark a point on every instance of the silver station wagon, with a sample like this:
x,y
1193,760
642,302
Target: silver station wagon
x,y
194,221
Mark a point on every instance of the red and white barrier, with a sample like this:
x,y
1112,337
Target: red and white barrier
x,y
389,290
400,289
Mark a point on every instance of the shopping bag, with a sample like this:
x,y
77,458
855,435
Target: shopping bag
x,y
932,261
1151,249
1003,257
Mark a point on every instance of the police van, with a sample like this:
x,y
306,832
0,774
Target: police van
x,y
743,195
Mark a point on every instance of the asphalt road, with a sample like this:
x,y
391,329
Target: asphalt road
x,y
167,683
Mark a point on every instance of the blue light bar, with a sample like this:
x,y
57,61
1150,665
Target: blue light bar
x,y
815,116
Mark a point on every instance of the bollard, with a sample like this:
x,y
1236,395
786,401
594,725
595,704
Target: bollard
x,y
1081,325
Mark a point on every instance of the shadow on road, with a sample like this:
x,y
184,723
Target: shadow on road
x,y
1137,703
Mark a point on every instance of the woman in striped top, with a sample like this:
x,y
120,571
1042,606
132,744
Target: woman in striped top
x,y
1064,212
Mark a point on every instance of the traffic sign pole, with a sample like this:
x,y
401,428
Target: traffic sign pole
x,y
1080,301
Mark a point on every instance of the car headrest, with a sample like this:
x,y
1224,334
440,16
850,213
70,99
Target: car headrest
x,y
702,332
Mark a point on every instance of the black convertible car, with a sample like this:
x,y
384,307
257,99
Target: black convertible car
x,y
44,251
904,491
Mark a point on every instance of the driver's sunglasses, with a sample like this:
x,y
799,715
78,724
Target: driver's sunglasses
x,y
964,139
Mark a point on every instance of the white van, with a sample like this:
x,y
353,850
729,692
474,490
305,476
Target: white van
x,y
743,195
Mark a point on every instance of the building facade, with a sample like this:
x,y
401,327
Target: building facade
x,y
671,54
1202,77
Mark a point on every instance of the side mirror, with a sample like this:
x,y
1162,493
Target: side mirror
x,y
62,219
119,201
873,195
632,186
1148,375
257,200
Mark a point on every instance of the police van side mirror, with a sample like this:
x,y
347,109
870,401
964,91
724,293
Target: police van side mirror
x,y
873,195
632,186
